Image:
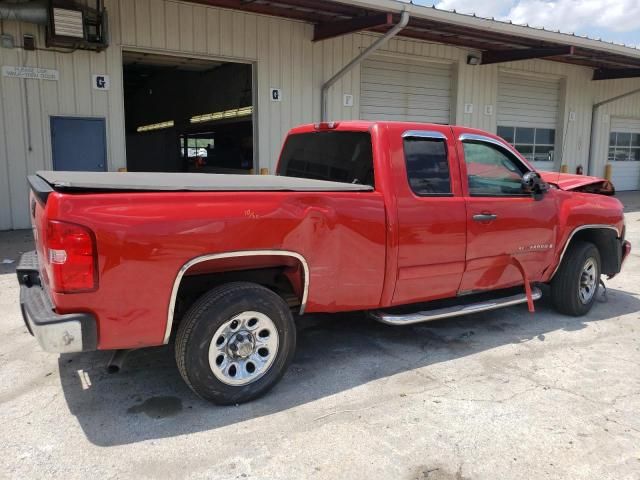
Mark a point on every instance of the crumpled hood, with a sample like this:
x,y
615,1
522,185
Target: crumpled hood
x,y
579,183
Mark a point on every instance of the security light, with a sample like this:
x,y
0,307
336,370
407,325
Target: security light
x,y
473,60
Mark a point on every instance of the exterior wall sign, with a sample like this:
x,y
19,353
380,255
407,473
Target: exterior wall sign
x,y
101,82
276,94
30,72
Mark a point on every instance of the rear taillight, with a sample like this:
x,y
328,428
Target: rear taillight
x,y
71,257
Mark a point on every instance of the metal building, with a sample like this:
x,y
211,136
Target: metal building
x,y
214,85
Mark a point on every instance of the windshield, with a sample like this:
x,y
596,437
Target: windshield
x,y
344,157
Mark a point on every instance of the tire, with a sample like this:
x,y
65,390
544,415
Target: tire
x,y
566,284
207,334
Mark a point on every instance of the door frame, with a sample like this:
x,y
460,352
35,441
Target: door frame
x,y
52,118
213,58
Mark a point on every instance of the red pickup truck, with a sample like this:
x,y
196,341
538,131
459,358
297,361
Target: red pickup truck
x,y
409,222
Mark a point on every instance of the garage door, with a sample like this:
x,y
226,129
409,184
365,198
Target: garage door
x,y
527,116
624,153
398,89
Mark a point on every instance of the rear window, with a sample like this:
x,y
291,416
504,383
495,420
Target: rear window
x,y
344,157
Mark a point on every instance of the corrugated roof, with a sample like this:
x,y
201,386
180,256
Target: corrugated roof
x,y
452,28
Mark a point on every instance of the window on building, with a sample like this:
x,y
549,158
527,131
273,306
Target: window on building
x,y
535,144
492,171
624,146
196,147
427,166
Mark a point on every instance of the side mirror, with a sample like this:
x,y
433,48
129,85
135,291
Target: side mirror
x,y
532,183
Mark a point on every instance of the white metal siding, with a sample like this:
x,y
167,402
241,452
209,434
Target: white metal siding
x,y
525,101
398,89
625,175
285,57
281,49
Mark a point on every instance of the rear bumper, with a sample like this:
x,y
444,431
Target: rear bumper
x,y
75,332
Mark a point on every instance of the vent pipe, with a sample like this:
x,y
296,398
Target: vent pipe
x,y
28,11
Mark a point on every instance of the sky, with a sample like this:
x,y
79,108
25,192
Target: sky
x,y
611,20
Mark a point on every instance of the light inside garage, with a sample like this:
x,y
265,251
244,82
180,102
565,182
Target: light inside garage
x,y
187,114
155,126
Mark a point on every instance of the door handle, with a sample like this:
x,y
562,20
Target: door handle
x,y
484,217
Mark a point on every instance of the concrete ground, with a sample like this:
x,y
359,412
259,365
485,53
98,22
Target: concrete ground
x,y
500,395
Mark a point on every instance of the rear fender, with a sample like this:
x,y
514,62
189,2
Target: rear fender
x,y
297,273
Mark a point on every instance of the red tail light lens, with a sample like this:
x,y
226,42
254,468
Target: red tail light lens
x,y
71,258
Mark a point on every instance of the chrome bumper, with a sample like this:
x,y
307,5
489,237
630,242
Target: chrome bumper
x,y
75,332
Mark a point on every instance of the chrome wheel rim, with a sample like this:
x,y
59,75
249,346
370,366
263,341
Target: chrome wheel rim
x,y
243,348
588,281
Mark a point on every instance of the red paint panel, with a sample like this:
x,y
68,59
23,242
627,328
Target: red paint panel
x,y
143,240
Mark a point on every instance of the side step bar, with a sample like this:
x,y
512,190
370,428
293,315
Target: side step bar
x,y
455,311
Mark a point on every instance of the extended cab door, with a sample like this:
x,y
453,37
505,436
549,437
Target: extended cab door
x,y
505,225
431,213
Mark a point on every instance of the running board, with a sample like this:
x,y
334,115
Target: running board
x,y
455,311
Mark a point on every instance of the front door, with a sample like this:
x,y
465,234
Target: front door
x,y
78,144
507,229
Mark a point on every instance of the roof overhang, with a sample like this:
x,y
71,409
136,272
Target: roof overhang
x,y
496,41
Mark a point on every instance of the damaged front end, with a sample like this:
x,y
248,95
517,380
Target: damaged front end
x,y
579,183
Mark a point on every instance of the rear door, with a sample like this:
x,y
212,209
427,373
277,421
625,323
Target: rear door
x,y
505,225
431,213
79,144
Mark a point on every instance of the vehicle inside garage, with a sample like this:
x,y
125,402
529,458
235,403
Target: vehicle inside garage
x,y
187,114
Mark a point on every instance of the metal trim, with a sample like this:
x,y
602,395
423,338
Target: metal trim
x,y
456,311
241,253
576,230
424,134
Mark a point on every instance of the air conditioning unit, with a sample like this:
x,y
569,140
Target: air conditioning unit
x,y
75,26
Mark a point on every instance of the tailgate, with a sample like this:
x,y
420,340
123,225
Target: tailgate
x,y
38,196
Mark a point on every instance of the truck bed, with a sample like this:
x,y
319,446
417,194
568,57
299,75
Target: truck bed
x,y
156,181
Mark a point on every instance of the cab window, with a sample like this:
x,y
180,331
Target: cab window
x,y
492,171
427,166
337,156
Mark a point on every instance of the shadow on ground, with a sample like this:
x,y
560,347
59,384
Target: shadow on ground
x,y
149,400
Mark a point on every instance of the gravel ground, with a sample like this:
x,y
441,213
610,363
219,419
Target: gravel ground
x,y
502,394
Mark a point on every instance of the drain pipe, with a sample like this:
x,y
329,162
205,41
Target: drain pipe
x,y
594,112
404,19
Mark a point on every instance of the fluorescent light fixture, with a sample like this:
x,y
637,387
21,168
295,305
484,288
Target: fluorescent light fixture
x,y
233,113
155,126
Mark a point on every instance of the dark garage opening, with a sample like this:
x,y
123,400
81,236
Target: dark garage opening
x,y
187,114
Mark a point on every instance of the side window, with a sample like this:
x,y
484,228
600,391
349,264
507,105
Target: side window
x,y
427,166
492,171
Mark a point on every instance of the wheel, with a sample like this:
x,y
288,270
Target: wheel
x,y
575,285
235,343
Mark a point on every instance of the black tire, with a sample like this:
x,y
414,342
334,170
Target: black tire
x,y
565,286
207,315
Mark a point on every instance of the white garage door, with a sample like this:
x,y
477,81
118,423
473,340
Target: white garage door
x,y
398,89
624,153
527,115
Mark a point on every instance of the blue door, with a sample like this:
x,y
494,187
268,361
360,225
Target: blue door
x,y
79,144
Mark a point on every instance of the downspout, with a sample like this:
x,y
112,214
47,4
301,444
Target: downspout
x,y
404,19
594,112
